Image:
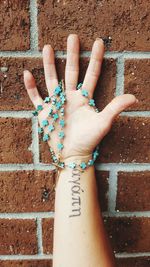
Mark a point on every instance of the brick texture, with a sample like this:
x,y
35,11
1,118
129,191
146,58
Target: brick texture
x,y
26,263
123,143
11,76
133,191
102,186
136,262
47,228
27,191
125,24
18,237
129,234
137,82
15,134
15,25
26,185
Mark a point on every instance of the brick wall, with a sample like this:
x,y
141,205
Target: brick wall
x,y
123,168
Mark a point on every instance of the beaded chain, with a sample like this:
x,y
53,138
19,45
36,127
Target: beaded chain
x,y
57,112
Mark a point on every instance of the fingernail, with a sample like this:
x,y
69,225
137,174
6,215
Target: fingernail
x,y
100,39
25,71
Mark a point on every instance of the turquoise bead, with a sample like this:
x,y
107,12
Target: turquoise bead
x,y
95,154
63,99
57,90
61,134
84,92
72,165
55,116
39,107
45,137
50,112
44,122
60,146
83,165
51,128
62,123
62,164
92,102
79,86
47,99
58,105
35,113
53,100
54,158
40,130
90,162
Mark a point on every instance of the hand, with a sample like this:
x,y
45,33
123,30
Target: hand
x,y
84,127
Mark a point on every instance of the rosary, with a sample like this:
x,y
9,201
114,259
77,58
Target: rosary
x,y
56,113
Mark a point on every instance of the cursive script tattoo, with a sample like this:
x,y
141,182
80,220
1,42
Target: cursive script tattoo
x,y
75,193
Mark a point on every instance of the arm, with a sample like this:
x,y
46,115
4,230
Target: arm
x,y
79,241
79,235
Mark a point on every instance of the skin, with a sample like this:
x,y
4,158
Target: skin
x,y
79,238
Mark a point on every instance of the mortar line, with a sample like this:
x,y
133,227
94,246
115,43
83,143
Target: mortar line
x,y
112,191
132,255
119,76
26,257
62,54
136,113
16,114
35,140
50,256
28,215
127,167
128,214
33,26
51,215
39,236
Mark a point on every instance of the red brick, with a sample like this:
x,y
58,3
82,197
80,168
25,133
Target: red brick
x,y
26,263
48,231
102,186
15,134
128,141
103,94
133,191
136,262
137,82
18,237
27,191
129,234
11,76
126,24
15,25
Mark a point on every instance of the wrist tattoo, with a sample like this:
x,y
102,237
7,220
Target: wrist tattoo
x,y
75,193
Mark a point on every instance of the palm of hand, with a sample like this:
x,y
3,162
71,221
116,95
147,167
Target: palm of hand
x,y
84,127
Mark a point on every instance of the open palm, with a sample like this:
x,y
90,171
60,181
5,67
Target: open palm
x,y
84,128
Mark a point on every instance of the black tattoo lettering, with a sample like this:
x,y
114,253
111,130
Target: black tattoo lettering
x,y
75,193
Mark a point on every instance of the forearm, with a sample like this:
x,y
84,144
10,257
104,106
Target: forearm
x,y
79,236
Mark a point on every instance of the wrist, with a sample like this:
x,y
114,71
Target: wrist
x,y
80,162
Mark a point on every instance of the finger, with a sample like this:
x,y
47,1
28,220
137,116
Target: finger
x,y
117,105
32,91
94,67
49,68
72,62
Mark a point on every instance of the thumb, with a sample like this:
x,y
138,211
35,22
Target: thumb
x,y
112,110
117,105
